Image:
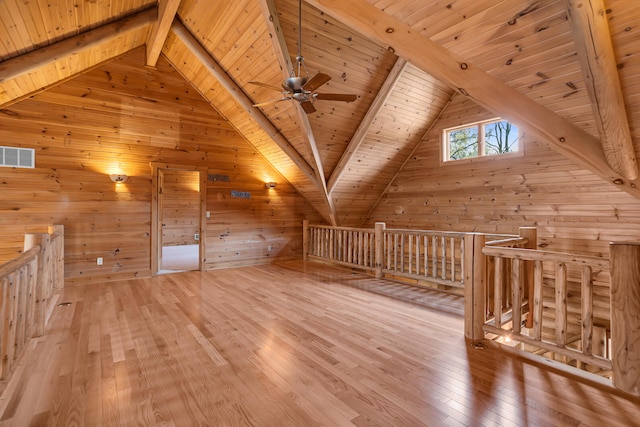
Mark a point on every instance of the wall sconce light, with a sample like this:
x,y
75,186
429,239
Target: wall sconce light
x,y
118,177
270,185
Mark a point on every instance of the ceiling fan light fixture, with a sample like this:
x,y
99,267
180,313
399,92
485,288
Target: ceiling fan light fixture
x,y
301,87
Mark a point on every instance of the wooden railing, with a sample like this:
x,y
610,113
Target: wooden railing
x,y
522,313
436,257
352,247
27,285
576,309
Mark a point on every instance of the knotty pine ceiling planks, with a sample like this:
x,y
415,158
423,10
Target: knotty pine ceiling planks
x,y
527,44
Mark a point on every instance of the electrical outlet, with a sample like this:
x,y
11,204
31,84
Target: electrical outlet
x,y
196,237
208,214
99,260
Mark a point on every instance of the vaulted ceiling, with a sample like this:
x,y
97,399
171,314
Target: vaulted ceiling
x,y
563,70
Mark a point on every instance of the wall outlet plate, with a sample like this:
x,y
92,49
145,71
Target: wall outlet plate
x,y
99,260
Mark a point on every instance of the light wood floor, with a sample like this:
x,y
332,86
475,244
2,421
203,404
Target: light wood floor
x,y
292,344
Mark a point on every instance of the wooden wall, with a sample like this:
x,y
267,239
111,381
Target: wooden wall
x,y
180,207
573,209
117,119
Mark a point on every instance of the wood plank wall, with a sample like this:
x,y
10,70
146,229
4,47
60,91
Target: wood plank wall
x,y
180,207
117,119
574,210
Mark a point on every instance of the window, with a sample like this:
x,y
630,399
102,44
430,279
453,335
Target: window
x,y
488,138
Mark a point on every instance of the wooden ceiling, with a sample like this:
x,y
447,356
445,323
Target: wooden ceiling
x,y
566,71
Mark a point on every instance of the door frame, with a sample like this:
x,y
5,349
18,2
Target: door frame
x,y
156,229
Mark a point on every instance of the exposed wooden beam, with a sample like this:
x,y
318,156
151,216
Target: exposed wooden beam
x,y
242,99
32,61
486,90
167,10
282,53
360,133
595,50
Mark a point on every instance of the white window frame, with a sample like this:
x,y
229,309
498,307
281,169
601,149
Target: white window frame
x,y
445,145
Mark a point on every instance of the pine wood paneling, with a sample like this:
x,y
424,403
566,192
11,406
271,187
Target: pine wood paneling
x,y
134,116
180,207
412,107
526,44
574,210
360,69
41,23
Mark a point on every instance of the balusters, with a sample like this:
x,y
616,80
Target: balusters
x,y
410,255
417,261
443,258
426,255
586,286
516,280
537,300
434,256
561,304
497,293
452,258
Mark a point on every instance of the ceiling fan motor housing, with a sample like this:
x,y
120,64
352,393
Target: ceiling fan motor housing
x,y
295,83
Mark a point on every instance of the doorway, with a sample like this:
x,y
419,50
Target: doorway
x,y
177,219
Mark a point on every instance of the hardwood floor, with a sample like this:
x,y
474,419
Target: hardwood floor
x,y
292,344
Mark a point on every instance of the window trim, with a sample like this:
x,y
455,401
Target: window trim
x,y
445,145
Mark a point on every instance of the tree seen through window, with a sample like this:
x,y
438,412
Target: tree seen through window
x,y
482,139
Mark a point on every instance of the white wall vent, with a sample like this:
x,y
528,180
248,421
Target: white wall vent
x,y
17,157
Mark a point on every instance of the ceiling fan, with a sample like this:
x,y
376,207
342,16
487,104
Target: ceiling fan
x,y
300,87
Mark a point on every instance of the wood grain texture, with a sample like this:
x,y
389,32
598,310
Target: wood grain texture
x,y
118,119
290,344
625,323
595,49
480,86
572,209
529,46
180,213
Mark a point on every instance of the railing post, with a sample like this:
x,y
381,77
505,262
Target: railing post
x,y
305,240
57,261
42,278
624,267
474,286
531,234
379,248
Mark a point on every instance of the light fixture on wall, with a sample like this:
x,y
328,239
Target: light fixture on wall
x,y
270,185
118,177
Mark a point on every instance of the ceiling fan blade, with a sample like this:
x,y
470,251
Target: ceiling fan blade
x,y
308,107
265,85
335,97
273,101
316,81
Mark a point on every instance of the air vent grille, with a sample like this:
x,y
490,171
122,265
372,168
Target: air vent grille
x,y
17,157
